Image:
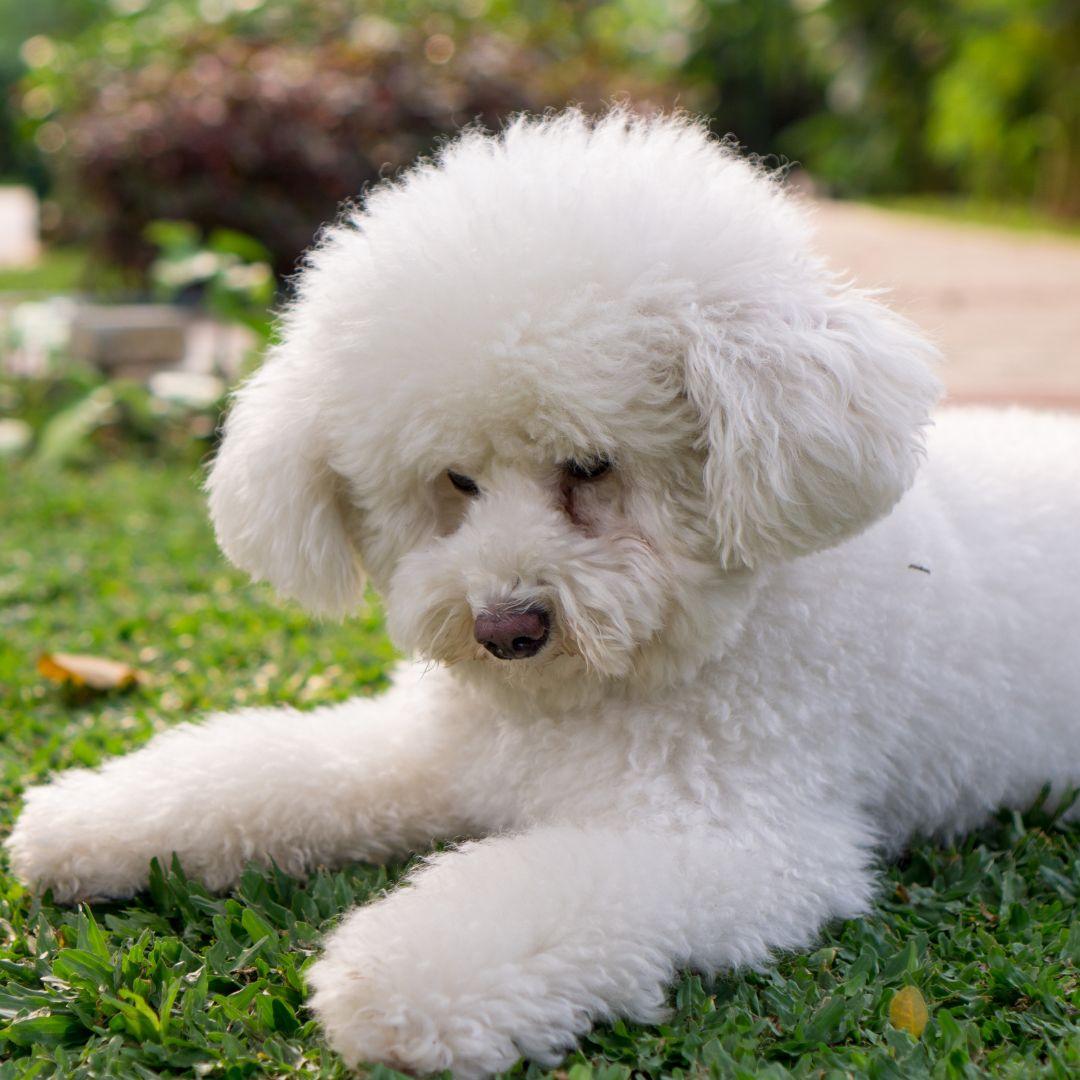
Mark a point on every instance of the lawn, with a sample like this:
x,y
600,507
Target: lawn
x,y
1015,216
62,270
119,561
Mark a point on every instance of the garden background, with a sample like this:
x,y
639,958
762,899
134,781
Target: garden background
x,y
163,163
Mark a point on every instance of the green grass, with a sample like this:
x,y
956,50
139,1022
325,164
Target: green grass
x,y
1014,216
59,270
120,562
63,270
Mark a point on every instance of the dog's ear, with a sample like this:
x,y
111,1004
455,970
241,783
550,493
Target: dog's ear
x,y
813,418
279,511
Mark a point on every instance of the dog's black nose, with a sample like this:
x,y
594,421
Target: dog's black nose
x,y
513,635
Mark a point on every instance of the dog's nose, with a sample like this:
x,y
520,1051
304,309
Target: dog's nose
x,y
513,635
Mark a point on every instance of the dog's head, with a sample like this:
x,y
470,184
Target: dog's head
x,y
561,393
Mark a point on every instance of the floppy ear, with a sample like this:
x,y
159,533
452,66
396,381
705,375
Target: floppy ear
x,y
279,511
813,417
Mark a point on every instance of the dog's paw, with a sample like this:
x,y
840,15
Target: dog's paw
x,y
368,1015
66,840
382,995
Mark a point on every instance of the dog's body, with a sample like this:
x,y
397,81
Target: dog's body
x,y
726,674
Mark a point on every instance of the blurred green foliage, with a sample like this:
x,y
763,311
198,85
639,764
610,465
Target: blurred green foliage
x,y
1005,112
20,21
980,97
261,115
229,273
79,417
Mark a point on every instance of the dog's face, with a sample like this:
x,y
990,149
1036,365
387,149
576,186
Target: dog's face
x,y
560,395
547,514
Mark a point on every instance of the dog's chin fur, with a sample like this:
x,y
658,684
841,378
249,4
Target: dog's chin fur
x,y
773,647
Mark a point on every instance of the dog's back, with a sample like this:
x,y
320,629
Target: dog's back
x,y
1000,496
939,657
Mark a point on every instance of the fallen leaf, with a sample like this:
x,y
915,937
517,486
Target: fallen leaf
x,y
92,672
908,1012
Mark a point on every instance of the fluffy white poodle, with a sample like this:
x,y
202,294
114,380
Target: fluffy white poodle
x,y
643,484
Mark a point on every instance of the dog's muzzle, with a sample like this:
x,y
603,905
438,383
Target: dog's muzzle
x,y
513,635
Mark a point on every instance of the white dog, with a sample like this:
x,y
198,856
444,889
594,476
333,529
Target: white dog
x,y
637,477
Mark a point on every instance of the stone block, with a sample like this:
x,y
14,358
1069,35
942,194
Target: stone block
x,y
130,340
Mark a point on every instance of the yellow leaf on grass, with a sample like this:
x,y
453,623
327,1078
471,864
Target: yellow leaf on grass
x,y
908,1012
93,672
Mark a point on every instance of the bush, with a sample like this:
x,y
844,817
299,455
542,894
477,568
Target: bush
x,y
971,96
976,96
260,116
79,417
264,121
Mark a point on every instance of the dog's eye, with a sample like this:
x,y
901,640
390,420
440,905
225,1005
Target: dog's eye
x,y
589,469
464,484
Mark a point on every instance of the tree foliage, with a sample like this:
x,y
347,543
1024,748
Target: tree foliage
x,y
262,115
976,96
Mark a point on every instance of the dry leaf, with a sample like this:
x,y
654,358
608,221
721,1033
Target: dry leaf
x,y
92,672
907,1011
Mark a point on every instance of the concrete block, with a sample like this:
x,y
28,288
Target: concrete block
x,y
130,340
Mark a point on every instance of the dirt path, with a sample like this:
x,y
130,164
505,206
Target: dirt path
x,y
1003,306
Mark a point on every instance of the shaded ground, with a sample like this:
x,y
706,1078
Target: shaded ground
x,y
1003,305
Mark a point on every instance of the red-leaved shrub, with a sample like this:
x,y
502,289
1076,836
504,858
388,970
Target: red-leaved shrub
x,y
267,136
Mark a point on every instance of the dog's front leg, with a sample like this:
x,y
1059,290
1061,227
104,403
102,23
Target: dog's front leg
x,y
363,780
515,945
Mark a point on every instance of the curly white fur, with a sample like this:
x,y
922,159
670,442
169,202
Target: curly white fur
x,y
775,646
